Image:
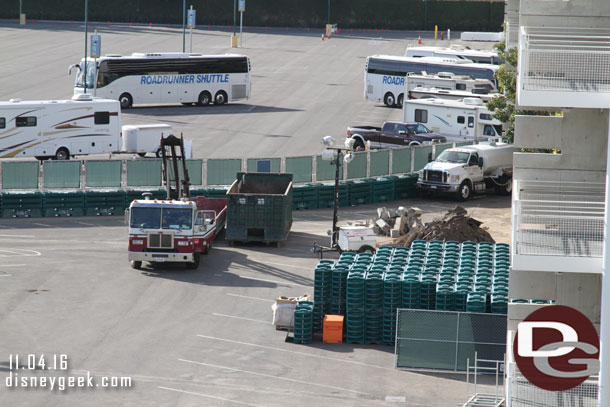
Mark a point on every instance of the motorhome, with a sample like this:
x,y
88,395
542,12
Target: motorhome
x,y
467,119
455,51
59,128
449,81
423,93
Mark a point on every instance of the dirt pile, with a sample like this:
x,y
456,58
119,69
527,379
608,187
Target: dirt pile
x,y
454,225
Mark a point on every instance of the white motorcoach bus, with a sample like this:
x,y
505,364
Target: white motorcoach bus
x,y
456,52
59,128
384,75
166,78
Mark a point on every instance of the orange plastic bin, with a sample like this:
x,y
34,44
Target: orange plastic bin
x,y
332,330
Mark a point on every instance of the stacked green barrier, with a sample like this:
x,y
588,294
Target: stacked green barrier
x,y
384,189
405,186
216,192
108,203
359,192
392,299
133,194
355,298
303,322
64,204
326,195
22,205
373,286
305,196
322,293
339,284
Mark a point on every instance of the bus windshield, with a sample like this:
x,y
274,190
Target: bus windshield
x,y
80,77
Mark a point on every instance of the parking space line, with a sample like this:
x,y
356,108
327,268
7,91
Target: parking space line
x,y
5,275
252,298
267,281
325,357
12,236
274,377
86,224
42,224
284,265
12,265
236,317
207,395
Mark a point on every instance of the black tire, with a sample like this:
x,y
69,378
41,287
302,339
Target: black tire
x,y
142,154
399,101
506,185
186,104
204,98
126,101
41,157
159,153
389,99
358,144
207,249
220,98
135,264
62,154
366,249
464,191
195,264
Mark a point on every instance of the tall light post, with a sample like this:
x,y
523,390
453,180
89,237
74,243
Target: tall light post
x,y
183,25
86,35
234,15
328,12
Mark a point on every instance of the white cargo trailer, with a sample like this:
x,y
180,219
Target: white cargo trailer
x,y
467,119
144,138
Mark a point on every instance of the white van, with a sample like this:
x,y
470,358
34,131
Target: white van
x,y
459,120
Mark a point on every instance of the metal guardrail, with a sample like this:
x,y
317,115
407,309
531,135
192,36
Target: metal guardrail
x,y
565,59
559,218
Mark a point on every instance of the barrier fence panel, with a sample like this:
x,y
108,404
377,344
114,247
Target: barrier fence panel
x,y
401,160
445,340
103,174
194,169
421,157
300,168
143,173
439,148
61,174
357,167
325,171
380,163
464,143
223,172
20,175
264,164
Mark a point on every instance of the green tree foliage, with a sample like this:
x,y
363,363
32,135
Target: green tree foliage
x,y
503,105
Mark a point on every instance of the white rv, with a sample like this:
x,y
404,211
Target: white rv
x,y
59,128
449,81
458,120
423,93
455,51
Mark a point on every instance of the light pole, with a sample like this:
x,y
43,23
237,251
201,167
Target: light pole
x,y
86,35
234,15
328,12
183,25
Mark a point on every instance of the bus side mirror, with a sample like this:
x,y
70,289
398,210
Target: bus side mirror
x,y
480,162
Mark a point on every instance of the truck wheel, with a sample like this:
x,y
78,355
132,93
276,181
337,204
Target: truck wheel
x,y
195,264
126,101
204,98
137,265
506,185
62,154
414,143
159,153
400,100
220,98
464,191
366,249
389,100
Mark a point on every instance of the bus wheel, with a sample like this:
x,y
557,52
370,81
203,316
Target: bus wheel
x,y
62,154
399,101
204,98
389,100
220,98
159,153
126,101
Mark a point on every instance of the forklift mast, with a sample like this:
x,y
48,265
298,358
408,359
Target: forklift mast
x,y
174,155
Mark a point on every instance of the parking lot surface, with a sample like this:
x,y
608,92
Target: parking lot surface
x,y
202,337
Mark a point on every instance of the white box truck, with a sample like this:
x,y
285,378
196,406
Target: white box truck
x,y
477,168
467,119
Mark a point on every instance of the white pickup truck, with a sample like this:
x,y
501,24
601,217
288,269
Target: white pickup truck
x,y
477,168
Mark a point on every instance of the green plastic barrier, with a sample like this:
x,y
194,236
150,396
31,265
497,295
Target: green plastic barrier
x,y
300,168
103,174
20,175
326,171
194,169
401,160
357,167
380,163
64,204
465,143
264,164
22,205
439,148
62,174
143,173
421,157
223,172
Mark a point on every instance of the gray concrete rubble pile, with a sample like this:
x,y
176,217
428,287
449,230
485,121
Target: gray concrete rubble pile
x,y
396,222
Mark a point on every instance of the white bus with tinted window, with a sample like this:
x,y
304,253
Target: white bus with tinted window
x,y
163,78
384,75
455,51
